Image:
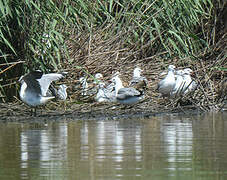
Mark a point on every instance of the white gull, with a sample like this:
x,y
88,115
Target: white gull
x,y
189,84
34,87
177,90
166,85
62,93
107,94
137,77
128,95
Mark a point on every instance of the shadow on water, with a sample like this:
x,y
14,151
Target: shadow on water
x,y
161,147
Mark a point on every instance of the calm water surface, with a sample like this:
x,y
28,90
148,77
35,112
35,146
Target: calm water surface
x,y
163,147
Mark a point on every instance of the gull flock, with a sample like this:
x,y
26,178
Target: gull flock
x,y
37,89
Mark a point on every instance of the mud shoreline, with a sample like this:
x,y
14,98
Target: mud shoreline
x,y
96,111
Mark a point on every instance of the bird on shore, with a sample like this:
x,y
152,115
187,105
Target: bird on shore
x,y
62,93
106,93
137,77
91,88
188,84
34,87
126,96
177,90
166,85
98,78
83,85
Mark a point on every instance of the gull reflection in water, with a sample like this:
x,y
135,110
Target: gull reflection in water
x,y
110,140
178,139
39,147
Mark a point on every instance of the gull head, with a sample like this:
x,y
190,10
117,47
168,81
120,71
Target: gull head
x,y
98,76
116,74
179,72
82,79
188,71
137,71
171,68
101,85
116,80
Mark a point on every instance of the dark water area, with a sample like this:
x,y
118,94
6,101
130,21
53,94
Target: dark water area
x,y
167,146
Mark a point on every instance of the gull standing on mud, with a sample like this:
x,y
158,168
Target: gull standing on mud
x,y
107,94
98,78
166,85
177,90
34,87
104,94
92,88
137,77
128,95
62,93
189,84
84,85
59,93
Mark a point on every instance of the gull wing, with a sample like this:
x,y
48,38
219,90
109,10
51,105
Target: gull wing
x,y
127,92
46,79
136,80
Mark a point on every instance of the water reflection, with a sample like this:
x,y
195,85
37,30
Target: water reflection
x,y
163,147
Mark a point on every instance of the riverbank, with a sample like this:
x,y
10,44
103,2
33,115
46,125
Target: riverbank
x,y
19,112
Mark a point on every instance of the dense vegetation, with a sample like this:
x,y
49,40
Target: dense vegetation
x,y
50,34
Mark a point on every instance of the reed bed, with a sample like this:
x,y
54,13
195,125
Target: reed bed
x,y
106,57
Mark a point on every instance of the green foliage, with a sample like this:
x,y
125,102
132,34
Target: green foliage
x,y
42,26
172,23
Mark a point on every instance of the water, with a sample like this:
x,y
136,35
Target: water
x,y
163,147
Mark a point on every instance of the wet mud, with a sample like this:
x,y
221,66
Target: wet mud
x,y
19,112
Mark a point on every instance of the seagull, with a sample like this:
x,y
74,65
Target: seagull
x,y
84,84
104,94
34,87
177,90
111,86
166,85
107,94
92,88
137,77
189,84
62,93
128,95
98,78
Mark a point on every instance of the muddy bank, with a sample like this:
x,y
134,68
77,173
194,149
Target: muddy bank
x,y
18,112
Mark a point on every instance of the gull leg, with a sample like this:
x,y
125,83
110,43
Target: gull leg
x,y
64,105
31,112
35,112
